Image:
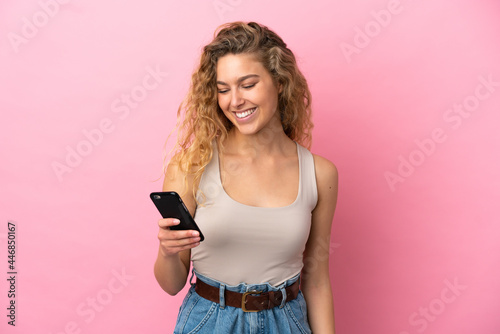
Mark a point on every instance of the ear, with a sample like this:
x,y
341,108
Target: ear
x,y
280,88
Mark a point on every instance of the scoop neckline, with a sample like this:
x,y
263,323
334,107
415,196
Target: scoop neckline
x,y
219,180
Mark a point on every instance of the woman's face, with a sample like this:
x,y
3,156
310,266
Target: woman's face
x,y
246,93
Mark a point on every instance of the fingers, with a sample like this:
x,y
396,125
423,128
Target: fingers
x,y
170,249
174,241
175,234
174,246
178,237
166,222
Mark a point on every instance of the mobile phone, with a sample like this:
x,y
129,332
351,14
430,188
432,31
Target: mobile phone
x,y
171,205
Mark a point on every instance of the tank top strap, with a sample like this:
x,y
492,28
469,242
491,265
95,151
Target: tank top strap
x,y
307,177
210,187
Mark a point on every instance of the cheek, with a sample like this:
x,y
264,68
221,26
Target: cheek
x,y
263,97
222,101
224,108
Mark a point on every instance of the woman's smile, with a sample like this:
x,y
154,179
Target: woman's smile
x,y
245,114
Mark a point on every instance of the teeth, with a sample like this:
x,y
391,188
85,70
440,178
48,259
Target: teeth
x,y
245,113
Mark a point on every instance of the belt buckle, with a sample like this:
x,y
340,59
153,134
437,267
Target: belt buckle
x,y
244,301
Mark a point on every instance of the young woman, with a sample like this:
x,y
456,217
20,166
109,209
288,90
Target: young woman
x,y
264,203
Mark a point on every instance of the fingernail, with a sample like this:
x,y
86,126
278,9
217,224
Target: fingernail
x,y
176,221
195,233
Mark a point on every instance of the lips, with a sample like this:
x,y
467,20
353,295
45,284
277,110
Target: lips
x,y
245,113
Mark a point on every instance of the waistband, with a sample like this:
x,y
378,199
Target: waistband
x,y
283,289
244,287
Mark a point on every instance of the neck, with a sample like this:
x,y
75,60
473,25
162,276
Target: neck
x,y
271,139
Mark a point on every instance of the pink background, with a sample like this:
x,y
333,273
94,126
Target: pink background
x,y
385,77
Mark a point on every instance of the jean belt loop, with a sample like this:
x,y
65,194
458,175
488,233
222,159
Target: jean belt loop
x,y
222,300
283,293
191,279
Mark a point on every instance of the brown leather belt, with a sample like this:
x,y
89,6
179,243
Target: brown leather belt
x,y
251,301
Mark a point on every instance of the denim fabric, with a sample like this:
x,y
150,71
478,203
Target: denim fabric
x,y
199,315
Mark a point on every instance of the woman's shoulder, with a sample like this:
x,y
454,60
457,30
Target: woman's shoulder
x,y
326,171
178,171
178,179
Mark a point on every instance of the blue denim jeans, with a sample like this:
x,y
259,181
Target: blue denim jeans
x,y
199,315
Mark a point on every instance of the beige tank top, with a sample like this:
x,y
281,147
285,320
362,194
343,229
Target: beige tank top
x,y
248,244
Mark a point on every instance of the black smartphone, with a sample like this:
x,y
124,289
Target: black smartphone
x,y
171,205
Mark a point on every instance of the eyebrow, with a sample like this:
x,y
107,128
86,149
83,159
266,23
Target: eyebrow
x,y
243,78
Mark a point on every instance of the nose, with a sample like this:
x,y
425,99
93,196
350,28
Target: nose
x,y
236,99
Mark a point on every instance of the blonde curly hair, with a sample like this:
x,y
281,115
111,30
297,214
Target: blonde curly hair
x,y
203,120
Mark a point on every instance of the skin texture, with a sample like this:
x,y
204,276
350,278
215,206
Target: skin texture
x,y
259,167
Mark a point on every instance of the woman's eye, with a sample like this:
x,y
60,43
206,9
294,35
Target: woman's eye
x,y
249,86
222,91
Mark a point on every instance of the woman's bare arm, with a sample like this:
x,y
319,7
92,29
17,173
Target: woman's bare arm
x,y
315,275
172,264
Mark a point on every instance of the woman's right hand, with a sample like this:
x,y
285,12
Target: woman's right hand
x,y
174,241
